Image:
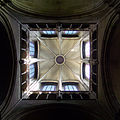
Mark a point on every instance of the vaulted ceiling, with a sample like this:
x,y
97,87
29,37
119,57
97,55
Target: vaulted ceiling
x,y
63,8
58,7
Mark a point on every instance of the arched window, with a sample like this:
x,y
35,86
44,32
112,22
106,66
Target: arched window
x,y
50,86
32,49
49,32
86,49
86,71
70,32
70,87
32,71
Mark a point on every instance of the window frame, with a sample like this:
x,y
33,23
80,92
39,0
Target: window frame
x,y
35,71
35,44
73,84
48,84
84,56
31,46
84,76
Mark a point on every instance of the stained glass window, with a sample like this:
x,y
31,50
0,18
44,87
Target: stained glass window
x,y
32,49
87,71
70,88
87,49
69,32
31,71
49,88
49,32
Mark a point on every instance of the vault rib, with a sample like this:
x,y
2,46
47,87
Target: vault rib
x,y
33,85
72,48
45,45
60,78
78,76
60,42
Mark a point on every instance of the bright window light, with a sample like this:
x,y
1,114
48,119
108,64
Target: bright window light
x,y
87,49
70,32
49,32
66,32
45,32
87,71
49,88
75,88
53,32
70,88
74,32
32,49
31,71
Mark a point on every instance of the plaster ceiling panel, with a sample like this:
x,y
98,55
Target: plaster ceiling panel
x,y
45,53
45,66
74,54
67,46
67,74
57,7
53,45
74,67
53,74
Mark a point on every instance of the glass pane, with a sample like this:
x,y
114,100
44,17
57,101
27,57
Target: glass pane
x,y
31,71
44,88
87,71
31,44
75,88
53,32
49,32
31,53
74,32
66,88
70,32
31,75
44,32
70,88
53,88
87,49
31,49
66,32
49,88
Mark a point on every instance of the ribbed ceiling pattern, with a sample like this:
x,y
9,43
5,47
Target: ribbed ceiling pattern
x,y
70,49
57,7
